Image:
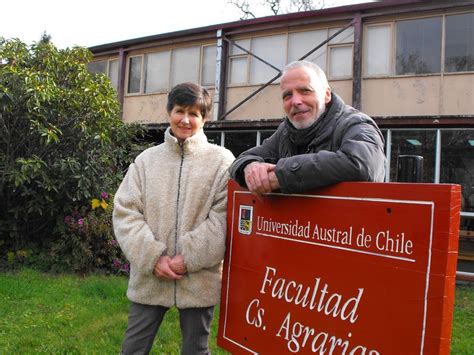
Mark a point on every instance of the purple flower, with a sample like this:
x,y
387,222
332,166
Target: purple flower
x,y
116,263
67,219
104,195
114,242
80,221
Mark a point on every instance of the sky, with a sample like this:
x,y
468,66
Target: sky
x,y
93,22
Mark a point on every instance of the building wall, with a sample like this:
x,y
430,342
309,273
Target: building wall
x,y
398,86
150,108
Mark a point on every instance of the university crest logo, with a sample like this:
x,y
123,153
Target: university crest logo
x,y
245,219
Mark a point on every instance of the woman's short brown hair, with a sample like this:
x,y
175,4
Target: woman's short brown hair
x,y
190,94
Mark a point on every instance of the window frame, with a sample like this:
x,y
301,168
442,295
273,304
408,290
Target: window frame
x,y
443,48
328,63
127,79
329,45
365,50
393,39
170,60
107,68
201,66
145,63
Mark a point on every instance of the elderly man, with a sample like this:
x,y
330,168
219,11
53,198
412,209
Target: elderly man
x,y
322,141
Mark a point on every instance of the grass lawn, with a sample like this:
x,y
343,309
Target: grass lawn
x,y
42,313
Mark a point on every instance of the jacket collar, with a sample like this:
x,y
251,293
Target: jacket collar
x,y
190,145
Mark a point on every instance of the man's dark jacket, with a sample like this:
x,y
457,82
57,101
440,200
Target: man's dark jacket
x,y
346,145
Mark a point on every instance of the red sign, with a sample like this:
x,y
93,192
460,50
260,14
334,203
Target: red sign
x,y
356,268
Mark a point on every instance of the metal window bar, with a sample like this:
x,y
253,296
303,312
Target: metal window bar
x,y
279,71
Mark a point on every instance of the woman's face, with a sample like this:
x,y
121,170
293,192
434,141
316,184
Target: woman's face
x,y
185,121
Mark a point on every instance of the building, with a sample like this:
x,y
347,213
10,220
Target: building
x,y
408,64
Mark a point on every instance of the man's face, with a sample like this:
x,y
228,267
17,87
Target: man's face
x,y
304,96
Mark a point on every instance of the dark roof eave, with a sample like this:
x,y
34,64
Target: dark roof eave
x,y
445,121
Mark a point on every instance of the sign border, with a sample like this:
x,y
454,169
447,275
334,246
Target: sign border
x,y
413,202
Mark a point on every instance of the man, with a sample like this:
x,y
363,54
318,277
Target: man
x,y
322,141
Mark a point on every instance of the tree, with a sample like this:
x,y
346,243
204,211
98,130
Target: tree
x,y
249,8
62,141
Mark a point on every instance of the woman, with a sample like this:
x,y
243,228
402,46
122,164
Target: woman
x,y
170,220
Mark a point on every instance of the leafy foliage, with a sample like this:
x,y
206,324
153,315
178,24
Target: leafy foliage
x,y
86,242
62,141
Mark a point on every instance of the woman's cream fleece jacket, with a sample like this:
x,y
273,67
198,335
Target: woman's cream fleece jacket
x,y
173,201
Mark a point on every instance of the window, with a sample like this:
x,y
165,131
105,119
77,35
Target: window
x,y
238,142
208,75
411,142
459,43
265,135
163,70
300,43
214,137
279,50
271,49
185,65
238,70
113,73
157,71
109,67
419,46
135,74
378,49
340,62
239,62
99,66
457,163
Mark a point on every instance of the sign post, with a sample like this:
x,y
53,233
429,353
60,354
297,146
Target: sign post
x,y
355,268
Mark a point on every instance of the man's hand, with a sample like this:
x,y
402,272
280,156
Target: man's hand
x,y
163,269
261,178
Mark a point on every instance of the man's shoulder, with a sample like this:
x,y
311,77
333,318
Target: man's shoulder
x,y
351,115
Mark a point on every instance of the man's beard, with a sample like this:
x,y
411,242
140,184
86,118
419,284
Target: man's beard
x,y
309,122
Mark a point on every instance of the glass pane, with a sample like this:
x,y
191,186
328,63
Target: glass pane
x,y
209,66
384,134
134,76
157,71
185,65
414,143
300,43
97,67
346,36
114,73
378,50
419,46
265,134
213,137
273,50
238,70
457,163
340,62
460,43
244,43
238,142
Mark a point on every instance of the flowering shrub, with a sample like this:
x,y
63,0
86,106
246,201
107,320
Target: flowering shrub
x,y
87,242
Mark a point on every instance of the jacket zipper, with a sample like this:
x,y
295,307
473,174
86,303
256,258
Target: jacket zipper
x,y
177,216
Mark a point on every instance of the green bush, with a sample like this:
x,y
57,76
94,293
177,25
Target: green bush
x,y
62,142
